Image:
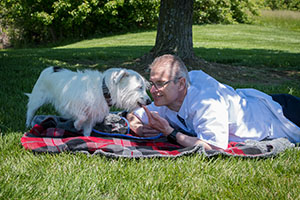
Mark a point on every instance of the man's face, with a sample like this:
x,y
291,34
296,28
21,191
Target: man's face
x,y
164,90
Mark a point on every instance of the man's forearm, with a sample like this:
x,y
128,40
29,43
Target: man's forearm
x,y
139,128
135,125
147,130
188,141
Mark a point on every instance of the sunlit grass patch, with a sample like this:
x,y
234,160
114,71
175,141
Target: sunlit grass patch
x,y
284,19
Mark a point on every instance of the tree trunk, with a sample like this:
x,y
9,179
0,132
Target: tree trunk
x,y
174,30
54,38
174,34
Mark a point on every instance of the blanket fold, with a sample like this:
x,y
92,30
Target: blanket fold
x,y
55,135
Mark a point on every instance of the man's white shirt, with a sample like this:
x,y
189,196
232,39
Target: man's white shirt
x,y
216,113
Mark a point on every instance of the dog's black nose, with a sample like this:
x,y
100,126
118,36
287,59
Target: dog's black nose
x,y
148,102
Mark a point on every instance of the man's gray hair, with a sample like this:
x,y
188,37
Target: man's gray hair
x,y
174,62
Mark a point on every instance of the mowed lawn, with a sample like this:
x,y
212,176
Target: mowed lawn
x,y
264,55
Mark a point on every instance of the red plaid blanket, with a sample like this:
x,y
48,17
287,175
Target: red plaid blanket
x,y
56,140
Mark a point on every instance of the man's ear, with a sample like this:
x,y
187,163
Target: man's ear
x,y
182,83
119,75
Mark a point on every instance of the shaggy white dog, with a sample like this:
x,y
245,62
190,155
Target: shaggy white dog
x,y
86,96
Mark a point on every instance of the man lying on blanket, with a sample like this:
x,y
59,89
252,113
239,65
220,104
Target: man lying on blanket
x,y
194,108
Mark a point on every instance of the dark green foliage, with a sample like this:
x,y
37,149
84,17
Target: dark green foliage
x,y
224,11
37,21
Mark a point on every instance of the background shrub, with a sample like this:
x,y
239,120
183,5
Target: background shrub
x,y
224,11
41,21
38,21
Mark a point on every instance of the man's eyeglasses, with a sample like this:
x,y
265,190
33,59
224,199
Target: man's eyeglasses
x,y
160,85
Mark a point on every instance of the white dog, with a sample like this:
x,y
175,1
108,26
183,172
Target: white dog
x,y
86,96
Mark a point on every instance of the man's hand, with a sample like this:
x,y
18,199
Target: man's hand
x,y
139,128
157,122
158,125
162,125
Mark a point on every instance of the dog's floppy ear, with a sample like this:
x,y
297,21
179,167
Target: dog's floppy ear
x,y
119,75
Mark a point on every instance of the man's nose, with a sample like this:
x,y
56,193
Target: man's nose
x,y
153,89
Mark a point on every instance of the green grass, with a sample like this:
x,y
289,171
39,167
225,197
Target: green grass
x,y
250,45
67,176
281,19
263,56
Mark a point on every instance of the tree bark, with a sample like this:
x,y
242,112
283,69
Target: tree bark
x,y
174,30
174,34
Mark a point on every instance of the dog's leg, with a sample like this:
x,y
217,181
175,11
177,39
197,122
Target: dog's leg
x,y
87,129
80,120
36,100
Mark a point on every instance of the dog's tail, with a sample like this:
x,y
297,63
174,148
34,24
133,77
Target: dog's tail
x,y
27,94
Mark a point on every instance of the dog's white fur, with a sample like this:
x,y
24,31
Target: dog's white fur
x,y
78,95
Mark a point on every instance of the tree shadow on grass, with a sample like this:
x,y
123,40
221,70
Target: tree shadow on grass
x,y
19,70
228,65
